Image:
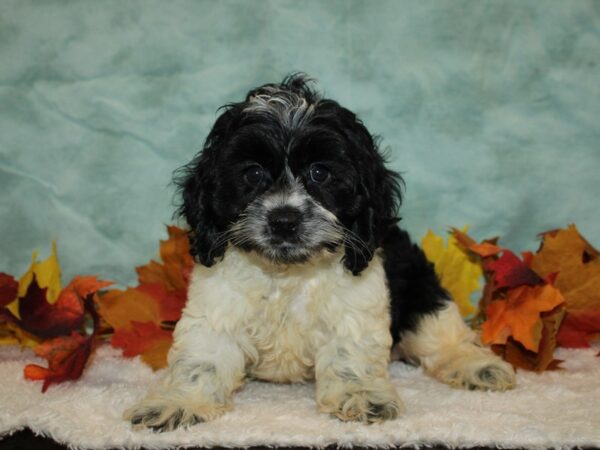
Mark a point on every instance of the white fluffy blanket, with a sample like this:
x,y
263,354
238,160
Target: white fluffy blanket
x,y
558,409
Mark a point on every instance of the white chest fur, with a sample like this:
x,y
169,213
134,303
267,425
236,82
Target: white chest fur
x,y
282,316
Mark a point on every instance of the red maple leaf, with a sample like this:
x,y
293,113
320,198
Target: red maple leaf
x,y
578,328
9,288
66,355
146,339
510,271
49,320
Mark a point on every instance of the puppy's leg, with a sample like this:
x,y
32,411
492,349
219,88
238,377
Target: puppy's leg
x,y
205,367
352,375
448,350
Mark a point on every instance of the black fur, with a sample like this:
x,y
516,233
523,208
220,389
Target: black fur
x,y
361,192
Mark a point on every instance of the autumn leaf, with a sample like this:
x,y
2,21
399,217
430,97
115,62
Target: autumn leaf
x,y
46,320
543,359
458,273
509,271
484,249
519,315
577,265
579,328
47,274
146,339
119,308
170,302
139,315
66,355
173,274
8,289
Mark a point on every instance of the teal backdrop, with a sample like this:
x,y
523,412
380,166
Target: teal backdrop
x,y
490,109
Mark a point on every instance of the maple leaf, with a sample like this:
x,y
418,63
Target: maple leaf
x,y
66,355
146,339
177,265
46,320
141,313
8,289
119,308
484,249
47,274
519,315
509,271
577,265
579,328
170,302
458,273
543,359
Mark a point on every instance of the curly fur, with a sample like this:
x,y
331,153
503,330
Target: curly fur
x,y
303,272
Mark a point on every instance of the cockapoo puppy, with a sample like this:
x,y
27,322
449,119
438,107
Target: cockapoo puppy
x,y
302,271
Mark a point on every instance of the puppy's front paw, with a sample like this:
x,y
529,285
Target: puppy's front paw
x,y
363,405
476,368
160,415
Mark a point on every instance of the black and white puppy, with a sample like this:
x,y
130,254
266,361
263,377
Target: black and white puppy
x,y
303,273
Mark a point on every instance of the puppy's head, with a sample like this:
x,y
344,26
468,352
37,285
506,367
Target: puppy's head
x,y
288,174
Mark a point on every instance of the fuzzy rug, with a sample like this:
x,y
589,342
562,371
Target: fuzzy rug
x,y
558,409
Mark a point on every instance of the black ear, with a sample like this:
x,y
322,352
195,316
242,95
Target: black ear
x,y
196,182
378,200
195,186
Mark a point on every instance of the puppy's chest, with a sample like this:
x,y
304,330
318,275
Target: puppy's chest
x,y
285,326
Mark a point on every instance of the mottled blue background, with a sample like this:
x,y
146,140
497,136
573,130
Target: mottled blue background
x,y
490,110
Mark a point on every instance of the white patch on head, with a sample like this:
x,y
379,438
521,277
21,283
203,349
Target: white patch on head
x,y
290,108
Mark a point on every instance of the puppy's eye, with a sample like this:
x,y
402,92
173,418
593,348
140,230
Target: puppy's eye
x,y
254,174
319,173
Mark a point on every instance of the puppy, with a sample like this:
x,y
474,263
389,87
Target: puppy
x,y
302,271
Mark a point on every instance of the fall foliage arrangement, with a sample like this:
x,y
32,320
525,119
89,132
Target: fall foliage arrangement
x,y
529,305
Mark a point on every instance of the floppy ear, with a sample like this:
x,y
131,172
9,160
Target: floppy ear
x,y
357,257
195,186
379,198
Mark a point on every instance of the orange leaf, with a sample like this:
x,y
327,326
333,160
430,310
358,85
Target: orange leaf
x,y
174,273
577,263
170,303
519,315
146,339
484,249
119,308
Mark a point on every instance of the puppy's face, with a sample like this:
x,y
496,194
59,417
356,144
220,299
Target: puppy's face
x,y
287,174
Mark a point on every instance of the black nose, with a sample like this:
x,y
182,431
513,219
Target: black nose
x,y
284,222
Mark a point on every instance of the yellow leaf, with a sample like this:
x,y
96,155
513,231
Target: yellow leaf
x,y
458,273
47,274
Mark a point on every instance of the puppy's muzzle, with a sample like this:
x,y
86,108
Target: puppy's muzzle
x,y
284,223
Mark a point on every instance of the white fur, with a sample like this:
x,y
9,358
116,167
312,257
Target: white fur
x,y
291,109
448,350
283,323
